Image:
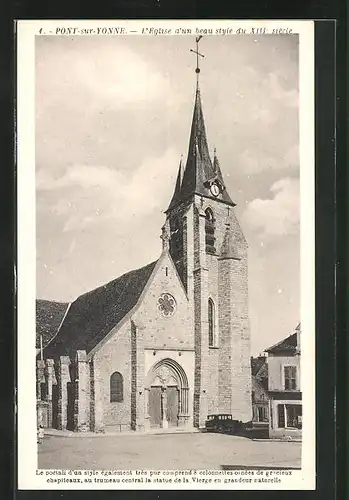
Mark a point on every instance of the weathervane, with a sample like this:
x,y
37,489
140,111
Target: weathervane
x,y
197,70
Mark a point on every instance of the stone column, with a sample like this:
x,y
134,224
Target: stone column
x,y
97,385
50,380
82,392
184,417
140,379
40,377
134,369
63,379
164,408
146,409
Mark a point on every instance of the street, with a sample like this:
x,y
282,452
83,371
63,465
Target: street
x,y
167,451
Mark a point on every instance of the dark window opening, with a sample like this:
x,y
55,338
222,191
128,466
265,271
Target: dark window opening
x,y
116,388
281,416
262,414
209,231
43,391
211,321
176,240
294,416
290,416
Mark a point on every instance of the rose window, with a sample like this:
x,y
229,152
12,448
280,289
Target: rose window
x,y
166,304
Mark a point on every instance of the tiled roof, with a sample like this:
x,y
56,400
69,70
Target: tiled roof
x,y
259,369
260,384
49,315
91,317
288,345
257,363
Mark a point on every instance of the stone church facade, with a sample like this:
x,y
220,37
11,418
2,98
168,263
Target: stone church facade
x,y
165,345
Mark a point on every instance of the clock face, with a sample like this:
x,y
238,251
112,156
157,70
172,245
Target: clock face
x,y
215,191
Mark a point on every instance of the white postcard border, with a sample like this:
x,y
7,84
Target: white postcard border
x,y
27,446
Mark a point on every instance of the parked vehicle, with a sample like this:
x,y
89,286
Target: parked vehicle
x,y
256,430
224,423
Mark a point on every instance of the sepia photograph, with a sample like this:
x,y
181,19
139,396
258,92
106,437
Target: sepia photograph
x,y
168,254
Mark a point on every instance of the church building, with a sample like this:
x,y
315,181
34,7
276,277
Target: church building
x,y
167,344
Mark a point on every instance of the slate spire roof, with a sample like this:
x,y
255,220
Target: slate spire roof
x,y
199,168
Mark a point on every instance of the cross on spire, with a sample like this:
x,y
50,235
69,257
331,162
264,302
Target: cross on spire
x,y
197,69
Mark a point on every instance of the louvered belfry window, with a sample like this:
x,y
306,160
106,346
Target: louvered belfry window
x,y
116,388
209,231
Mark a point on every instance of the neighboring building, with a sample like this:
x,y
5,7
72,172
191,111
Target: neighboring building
x,y
284,387
260,397
167,344
49,316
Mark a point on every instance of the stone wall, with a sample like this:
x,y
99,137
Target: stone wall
x,y
113,356
223,375
82,392
174,331
276,364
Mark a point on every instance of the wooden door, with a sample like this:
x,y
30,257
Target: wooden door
x,y
172,406
155,406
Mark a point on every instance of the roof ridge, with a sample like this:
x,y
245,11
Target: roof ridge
x,y
51,301
95,313
283,341
114,279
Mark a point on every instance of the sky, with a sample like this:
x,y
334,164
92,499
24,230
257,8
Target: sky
x,y
113,118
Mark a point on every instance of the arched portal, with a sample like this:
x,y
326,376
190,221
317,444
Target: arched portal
x,y
167,391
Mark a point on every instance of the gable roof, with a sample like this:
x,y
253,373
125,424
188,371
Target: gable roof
x,y
92,315
288,346
49,315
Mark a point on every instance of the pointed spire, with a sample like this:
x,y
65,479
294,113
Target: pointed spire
x,y
176,194
180,171
215,162
200,172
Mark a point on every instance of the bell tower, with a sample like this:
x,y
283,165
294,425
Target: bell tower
x,y
209,250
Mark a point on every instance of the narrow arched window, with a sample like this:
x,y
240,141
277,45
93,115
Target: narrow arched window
x,y
116,388
211,323
209,231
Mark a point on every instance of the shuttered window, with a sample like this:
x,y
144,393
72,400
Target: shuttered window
x,y
116,388
290,375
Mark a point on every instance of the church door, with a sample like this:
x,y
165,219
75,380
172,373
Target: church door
x,y
155,411
172,406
